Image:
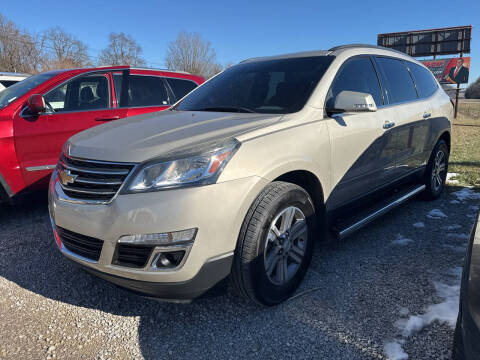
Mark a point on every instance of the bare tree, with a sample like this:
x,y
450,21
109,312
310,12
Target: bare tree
x,y
189,52
65,50
19,50
122,50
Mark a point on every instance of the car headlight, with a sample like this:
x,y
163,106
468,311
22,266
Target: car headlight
x,y
193,170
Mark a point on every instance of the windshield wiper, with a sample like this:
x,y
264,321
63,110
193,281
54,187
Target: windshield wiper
x,y
227,109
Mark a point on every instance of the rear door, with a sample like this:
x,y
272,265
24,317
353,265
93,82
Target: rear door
x,y
146,93
411,129
74,105
363,151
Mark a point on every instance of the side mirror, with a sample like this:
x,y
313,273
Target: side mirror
x,y
36,104
353,101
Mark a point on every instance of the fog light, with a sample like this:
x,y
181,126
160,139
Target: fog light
x,y
166,238
170,259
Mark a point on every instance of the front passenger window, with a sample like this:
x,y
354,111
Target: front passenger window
x,y
90,92
359,75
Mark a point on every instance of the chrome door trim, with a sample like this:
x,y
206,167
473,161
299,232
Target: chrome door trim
x,y
41,167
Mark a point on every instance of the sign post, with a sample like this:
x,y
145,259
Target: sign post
x,y
434,42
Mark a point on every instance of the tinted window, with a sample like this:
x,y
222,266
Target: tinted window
x,y
20,88
426,84
83,93
181,87
356,75
8,83
269,86
398,82
117,84
147,91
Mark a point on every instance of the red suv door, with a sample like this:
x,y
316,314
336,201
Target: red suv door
x,y
77,104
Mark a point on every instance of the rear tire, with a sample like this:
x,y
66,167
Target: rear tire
x,y
436,171
275,244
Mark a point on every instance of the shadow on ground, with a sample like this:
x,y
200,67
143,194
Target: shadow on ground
x,y
359,286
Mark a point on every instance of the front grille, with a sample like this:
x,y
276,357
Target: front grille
x,y
132,255
91,180
82,245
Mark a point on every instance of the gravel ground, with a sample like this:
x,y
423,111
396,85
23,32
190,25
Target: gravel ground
x,y
348,305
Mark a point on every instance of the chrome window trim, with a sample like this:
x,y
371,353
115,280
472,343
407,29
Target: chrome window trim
x,y
41,167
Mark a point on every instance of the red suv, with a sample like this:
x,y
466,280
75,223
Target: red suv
x,y
38,114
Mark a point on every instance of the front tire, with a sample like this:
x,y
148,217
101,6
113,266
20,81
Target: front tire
x,y
275,244
436,171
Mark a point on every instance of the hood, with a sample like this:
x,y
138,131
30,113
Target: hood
x,y
147,136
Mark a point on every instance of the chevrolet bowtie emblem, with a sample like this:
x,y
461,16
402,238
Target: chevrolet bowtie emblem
x,y
66,177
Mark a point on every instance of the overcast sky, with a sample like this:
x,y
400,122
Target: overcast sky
x,y
243,29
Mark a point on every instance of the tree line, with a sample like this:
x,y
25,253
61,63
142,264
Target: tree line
x,y
54,48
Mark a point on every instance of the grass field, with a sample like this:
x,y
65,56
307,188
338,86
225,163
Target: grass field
x,y
465,154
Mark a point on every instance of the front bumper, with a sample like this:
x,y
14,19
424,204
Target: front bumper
x,y
211,274
217,211
470,298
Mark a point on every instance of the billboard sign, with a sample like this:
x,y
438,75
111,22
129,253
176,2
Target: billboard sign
x,y
451,70
444,41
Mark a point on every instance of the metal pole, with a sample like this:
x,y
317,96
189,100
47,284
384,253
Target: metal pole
x,y
458,85
456,101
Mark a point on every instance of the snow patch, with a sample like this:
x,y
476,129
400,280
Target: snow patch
x,y
436,214
394,351
466,194
402,241
445,312
419,224
450,179
455,202
451,175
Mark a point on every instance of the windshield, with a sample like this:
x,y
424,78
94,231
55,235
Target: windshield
x,y
20,88
270,86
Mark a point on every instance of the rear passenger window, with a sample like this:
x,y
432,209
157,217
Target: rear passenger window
x,y
181,87
358,75
426,84
147,91
399,84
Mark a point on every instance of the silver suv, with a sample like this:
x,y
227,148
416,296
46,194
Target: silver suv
x,y
241,177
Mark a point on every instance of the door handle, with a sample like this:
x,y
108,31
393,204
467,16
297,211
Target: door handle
x,y
426,115
388,124
107,118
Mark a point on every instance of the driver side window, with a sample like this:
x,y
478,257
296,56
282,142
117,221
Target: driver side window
x,y
90,92
358,75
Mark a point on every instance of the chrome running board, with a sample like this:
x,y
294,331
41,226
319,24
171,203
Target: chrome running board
x,y
348,227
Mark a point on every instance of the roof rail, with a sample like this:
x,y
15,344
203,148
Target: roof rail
x,y
353,46
166,70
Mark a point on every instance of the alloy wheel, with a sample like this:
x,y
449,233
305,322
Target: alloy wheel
x,y
285,245
438,170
